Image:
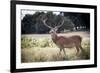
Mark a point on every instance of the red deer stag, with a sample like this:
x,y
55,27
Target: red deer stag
x,y
62,41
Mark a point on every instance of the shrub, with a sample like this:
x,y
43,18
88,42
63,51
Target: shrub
x,y
28,42
25,42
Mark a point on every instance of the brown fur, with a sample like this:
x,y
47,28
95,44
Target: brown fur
x,y
64,42
67,42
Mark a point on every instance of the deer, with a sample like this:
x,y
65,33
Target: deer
x,y
63,42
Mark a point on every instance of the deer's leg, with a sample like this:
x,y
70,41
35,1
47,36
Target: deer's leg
x,y
60,51
81,48
64,52
77,48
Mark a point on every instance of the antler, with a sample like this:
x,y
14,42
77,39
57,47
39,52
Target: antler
x,y
44,22
61,23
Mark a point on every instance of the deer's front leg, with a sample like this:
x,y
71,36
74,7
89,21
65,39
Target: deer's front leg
x,y
60,51
64,51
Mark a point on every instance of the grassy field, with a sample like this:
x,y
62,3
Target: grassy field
x,y
40,48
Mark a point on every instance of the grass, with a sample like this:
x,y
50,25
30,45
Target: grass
x,y
27,42
44,50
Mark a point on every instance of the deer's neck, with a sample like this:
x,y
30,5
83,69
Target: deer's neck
x,y
54,37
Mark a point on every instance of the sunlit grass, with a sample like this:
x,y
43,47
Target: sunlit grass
x,y
27,42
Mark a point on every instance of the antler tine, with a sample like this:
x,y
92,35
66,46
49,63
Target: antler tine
x,y
61,23
44,22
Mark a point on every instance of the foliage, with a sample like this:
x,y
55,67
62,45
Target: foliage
x,y
32,23
27,42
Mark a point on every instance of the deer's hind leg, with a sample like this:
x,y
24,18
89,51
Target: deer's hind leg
x,y
81,48
78,49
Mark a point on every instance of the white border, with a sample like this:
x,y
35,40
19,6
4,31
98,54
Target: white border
x,y
20,65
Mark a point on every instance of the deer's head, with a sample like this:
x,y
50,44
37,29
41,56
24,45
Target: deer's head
x,y
54,29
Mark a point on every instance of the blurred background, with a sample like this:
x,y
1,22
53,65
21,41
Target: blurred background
x,y
31,21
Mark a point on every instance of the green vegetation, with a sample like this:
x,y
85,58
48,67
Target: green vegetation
x,y
27,42
43,50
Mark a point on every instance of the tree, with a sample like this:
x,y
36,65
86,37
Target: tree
x,y
33,24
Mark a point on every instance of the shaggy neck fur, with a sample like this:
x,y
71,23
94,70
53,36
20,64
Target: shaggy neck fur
x,y
54,37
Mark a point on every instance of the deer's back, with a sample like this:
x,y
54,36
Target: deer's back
x,y
68,41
